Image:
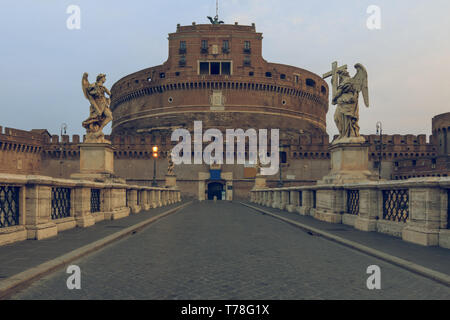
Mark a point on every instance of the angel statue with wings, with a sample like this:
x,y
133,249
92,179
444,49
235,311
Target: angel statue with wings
x,y
346,95
100,114
258,166
171,166
215,20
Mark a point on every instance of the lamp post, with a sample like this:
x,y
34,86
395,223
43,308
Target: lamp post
x,y
308,135
280,181
380,132
63,132
155,156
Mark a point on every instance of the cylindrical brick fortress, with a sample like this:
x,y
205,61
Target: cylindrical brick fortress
x,y
216,74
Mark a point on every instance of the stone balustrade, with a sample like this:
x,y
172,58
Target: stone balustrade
x,y
416,210
38,207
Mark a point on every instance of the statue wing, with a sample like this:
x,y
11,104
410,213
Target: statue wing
x,y
361,83
85,85
210,19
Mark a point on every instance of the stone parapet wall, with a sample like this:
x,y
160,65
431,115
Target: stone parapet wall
x,y
416,210
38,207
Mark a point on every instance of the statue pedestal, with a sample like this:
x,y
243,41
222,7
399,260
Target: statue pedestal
x,y
349,164
171,181
260,182
96,162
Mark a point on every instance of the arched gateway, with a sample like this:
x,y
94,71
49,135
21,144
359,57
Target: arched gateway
x,y
216,189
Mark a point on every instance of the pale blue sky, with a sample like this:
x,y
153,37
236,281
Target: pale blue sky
x,y
42,62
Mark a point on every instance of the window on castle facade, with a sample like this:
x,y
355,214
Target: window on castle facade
x,y
283,157
226,46
182,61
226,68
182,47
247,47
310,83
204,67
215,68
204,48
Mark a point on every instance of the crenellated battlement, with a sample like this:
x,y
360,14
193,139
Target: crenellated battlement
x,y
36,151
137,146
17,140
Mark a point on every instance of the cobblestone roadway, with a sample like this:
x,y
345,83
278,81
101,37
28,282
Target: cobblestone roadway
x,y
226,251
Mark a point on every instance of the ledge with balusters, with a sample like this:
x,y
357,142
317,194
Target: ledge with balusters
x,y
416,210
38,207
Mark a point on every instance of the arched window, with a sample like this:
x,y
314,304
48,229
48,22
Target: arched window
x,y
310,83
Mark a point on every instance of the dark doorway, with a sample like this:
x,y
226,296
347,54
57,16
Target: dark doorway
x,y
215,189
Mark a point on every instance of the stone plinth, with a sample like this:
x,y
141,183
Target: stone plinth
x,y
133,203
171,181
368,210
293,197
114,204
260,182
284,199
96,162
307,203
349,164
425,216
37,210
12,234
329,205
421,235
96,158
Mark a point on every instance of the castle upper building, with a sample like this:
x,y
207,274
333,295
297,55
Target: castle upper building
x,y
216,73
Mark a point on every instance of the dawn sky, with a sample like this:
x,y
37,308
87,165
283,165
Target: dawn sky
x,y
408,59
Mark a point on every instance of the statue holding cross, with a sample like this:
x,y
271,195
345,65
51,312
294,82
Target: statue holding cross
x,y
345,94
334,76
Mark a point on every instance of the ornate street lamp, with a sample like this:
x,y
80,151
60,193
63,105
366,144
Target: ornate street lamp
x,y
63,132
380,132
280,181
155,156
